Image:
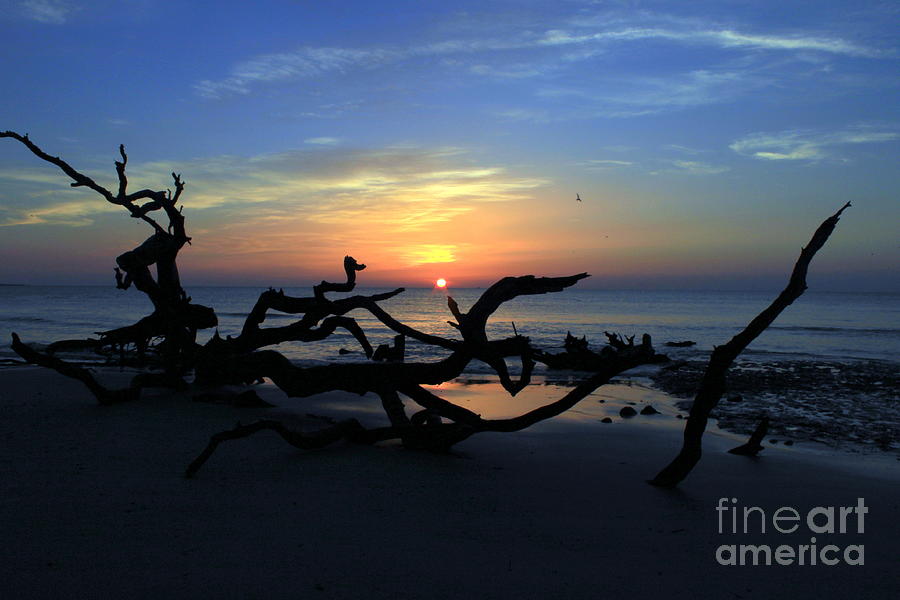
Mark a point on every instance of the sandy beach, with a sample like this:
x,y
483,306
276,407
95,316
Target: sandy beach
x,y
94,505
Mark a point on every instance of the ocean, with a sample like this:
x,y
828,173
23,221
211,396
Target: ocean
x,y
827,371
819,326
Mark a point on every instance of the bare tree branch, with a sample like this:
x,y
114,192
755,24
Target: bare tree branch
x,y
713,384
103,395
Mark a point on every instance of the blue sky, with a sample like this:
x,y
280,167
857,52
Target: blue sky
x,y
707,139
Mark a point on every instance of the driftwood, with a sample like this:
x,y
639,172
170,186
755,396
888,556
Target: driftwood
x,y
684,344
713,384
754,444
104,396
167,338
174,319
318,439
579,357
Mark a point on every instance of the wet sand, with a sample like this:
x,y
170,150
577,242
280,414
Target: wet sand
x,y
850,405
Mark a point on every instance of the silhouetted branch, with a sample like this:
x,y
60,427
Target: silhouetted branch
x,y
713,384
350,268
754,443
304,441
103,395
79,179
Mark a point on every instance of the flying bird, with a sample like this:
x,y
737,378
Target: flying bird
x,y
577,197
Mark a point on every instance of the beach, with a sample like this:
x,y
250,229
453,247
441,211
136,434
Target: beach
x,y
397,247
95,505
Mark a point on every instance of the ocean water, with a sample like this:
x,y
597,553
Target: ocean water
x,y
825,372
819,326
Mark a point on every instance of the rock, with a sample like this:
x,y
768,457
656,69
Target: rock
x,y
606,420
678,417
773,441
684,344
735,398
345,351
649,410
789,443
627,412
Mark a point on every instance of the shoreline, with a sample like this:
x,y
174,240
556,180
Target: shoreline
x,y
806,412
849,406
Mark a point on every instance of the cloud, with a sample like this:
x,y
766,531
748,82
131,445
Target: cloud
x,y
322,141
526,114
300,64
518,71
690,167
808,145
516,54
605,164
636,96
52,12
424,254
695,88
397,189
684,149
77,213
33,196
722,38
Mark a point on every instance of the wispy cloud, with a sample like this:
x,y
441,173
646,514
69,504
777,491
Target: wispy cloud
x,y
33,196
693,167
722,38
646,95
809,145
526,114
53,12
78,213
322,141
300,64
397,189
424,254
516,54
688,167
684,149
605,164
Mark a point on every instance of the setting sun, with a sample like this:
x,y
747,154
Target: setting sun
x,y
441,283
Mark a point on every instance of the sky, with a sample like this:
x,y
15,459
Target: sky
x,y
707,140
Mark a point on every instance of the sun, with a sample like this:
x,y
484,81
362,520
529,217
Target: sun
x,y
441,283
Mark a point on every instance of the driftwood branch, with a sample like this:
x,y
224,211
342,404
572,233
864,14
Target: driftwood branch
x,y
754,443
103,395
304,441
174,319
712,385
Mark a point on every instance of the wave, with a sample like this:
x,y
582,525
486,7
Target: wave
x,y
888,331
27,320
